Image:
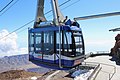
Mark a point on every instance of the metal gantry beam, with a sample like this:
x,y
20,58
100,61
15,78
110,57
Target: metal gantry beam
x,y
97,16
116,29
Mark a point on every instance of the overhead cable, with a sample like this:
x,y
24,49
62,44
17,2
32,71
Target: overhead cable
x,y
59,6
9,7
6,6
31,20
66,6
71,4
17,29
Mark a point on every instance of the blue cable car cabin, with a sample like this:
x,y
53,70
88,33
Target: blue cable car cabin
x,y
58,43
44,46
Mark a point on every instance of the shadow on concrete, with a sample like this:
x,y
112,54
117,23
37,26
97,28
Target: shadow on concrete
x,y
101,54
116,60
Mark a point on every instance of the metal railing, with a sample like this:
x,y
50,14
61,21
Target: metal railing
x,y
95,71
110,74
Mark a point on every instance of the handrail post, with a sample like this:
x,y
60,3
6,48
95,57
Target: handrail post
x,y
109,77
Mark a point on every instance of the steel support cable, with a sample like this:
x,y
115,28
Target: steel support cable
x,y
9,7
6,6
17,29
59,6
29,21
67,6
44,14
71,4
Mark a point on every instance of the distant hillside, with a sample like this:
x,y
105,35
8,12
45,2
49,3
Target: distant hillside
x,y
12,62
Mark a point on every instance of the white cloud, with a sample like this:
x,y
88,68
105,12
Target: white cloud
x,y
8,45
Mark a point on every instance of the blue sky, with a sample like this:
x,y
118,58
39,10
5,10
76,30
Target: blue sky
x,y
96,31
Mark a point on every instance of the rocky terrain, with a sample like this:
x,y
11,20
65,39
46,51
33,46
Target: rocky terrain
x,y
13,62
18,75
20,68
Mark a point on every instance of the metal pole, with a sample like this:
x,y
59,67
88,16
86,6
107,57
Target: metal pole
x,y
56,17
109,77
60,48
59,35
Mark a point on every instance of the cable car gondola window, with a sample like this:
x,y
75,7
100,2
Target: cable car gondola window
x,y
67,44
31,42
69,40
38,41
58,41
48,43
78,43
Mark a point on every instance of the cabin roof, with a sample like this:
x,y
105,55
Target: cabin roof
x,y
54,28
